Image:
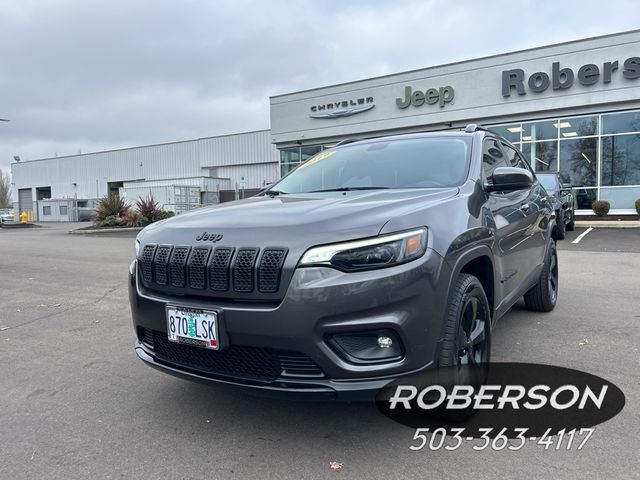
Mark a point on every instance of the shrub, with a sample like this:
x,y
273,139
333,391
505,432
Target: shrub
x,y
601,207
167,214
110,221
149,208
133,218
110,206
638,206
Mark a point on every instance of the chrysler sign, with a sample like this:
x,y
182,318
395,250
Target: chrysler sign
x,y
342,108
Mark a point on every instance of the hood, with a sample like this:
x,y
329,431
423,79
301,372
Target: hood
x,y
295,219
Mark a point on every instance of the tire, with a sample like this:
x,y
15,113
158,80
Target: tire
x,y
466,346
572,224
561,231
544,295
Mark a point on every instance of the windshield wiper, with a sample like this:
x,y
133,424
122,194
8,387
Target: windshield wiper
x,y
347,189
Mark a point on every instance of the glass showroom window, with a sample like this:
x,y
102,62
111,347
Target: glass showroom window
x,y
621,122
535,131
289,159
543,156
577,127
599,155
620,160
579,161
307,152
510,132
620,165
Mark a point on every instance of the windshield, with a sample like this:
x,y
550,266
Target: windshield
x,y
549,182
414,163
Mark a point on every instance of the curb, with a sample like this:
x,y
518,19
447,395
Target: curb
x,y
98,231
10,225
608,223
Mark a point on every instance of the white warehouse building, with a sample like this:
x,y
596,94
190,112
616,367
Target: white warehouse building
x,y
180,175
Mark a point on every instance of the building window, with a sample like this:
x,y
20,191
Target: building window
x,y
620,160
599,155
542,156
534,131
307,152
579,161
620,197
510,132
290,158
64,210
46,210
577,127
621,122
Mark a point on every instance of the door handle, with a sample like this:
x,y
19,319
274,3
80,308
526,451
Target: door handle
x,y
524,207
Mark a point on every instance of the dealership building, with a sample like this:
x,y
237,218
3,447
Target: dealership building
x,y
572,107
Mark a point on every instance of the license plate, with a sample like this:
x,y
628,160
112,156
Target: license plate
x,y
192,326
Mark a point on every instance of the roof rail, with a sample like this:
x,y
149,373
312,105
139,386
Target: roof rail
x,y
473,127
347,141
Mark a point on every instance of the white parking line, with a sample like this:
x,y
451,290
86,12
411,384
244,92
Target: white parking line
x,y
582,235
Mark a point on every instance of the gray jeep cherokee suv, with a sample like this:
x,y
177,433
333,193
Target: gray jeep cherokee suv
x,y
374,259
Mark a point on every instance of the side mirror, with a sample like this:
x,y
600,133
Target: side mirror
x,y
265,187
506,179
565,186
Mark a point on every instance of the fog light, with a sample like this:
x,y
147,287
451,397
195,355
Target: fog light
x,y
375,346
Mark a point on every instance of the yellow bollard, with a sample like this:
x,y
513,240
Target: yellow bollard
x,y
23,217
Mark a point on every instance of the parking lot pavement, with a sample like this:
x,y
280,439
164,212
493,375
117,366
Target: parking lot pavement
x,y
603,240
76,403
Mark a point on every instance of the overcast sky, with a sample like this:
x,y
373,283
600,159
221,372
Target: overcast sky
x,y
90,75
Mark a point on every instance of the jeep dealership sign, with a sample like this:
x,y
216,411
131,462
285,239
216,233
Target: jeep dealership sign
x,y
584,77
564,78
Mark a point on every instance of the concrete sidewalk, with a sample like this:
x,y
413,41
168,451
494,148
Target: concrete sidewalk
x,y
608,223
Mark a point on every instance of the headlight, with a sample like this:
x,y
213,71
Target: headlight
x,y
137,248
378,252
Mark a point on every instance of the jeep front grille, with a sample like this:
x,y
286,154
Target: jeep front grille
x,y
210,270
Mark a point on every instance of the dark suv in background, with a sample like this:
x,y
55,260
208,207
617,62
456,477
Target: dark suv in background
x,y
372,260
561,200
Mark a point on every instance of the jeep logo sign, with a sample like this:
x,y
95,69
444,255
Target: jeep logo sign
x,y
563,78
209,237
431,96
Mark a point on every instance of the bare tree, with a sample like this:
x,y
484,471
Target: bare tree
x,y
5,190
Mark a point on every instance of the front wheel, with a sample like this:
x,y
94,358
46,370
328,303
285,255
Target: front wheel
x,y
466,346
543,296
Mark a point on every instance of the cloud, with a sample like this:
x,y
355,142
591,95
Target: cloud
x,y
96,75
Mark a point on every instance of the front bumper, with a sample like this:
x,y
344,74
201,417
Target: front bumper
x,y
408,299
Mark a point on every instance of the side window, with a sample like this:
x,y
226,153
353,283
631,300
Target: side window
x,y
492,157
514,159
